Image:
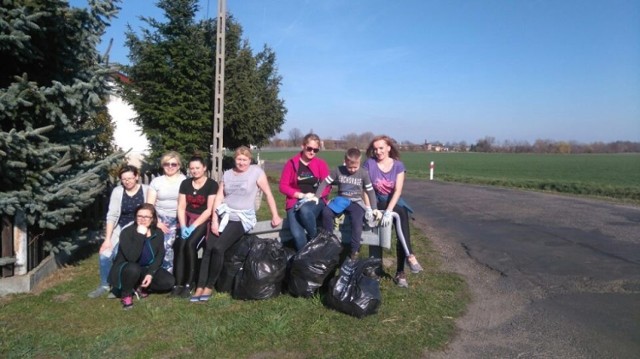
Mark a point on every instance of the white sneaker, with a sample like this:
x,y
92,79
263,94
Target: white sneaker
x,y
98,292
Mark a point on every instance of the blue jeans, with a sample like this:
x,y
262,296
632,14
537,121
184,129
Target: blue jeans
x,y
106,258
302,223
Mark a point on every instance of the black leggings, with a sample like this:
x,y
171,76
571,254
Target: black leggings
x,y
186,255
132,274
213,257
404,226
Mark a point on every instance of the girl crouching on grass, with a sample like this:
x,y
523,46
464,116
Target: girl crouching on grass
x,y
138,264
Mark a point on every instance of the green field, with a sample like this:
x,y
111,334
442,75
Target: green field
x,y
614,176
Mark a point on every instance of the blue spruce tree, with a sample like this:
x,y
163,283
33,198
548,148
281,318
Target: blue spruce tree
x,y
52,107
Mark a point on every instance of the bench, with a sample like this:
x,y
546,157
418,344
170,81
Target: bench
x,y
375,237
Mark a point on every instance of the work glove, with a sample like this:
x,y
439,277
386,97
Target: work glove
x,y
377,214
368,214
308,197
186,231
386,219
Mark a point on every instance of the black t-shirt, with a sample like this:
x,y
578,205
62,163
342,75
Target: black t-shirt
x,y
197,198
306,180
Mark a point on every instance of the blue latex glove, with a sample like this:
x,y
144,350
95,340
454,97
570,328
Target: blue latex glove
x,y
186,231
386,219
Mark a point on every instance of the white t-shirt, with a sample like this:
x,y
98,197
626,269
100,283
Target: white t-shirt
x,y
167,194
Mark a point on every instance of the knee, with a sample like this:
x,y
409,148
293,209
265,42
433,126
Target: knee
x,y
131,270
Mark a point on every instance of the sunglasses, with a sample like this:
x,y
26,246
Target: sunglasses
x,y
311,149
172,164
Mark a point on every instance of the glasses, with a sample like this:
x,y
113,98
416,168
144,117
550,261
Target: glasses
x,y
311,149
172,164
128,179
144,217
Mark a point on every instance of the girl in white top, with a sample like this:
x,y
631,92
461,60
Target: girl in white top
x,y
163,194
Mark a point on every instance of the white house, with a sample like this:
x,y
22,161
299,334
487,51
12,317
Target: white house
x,y
127,134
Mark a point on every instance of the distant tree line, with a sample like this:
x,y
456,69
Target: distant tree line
x,y
486,144
489,144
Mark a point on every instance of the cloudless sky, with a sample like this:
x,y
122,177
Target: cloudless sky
x,y
447,70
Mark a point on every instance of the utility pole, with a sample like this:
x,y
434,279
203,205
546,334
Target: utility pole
x,y
218,98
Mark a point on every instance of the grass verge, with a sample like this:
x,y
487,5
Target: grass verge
x,y
60,321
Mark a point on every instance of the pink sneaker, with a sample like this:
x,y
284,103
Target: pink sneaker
x,y
127,302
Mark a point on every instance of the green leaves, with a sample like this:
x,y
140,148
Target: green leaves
x,y
172,83
52,110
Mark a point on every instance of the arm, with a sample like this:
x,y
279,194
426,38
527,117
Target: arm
x,y
370,199
182,208
263,184
286,187
153,268
131,243
151,196
113,213
219,197
323,173
397,192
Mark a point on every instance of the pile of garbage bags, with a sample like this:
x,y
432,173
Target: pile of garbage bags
x,y
257,269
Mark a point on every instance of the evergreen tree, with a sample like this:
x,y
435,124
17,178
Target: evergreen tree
x,y
52,100
172,71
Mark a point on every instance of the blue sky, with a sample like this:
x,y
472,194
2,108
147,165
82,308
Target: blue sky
x,y
447,70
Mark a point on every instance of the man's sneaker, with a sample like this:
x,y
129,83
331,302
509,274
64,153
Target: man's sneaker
x,y
98,292
413,264
111,296
401,280
127,302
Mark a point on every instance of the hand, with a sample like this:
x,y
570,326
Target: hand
x,y
163,227
186,231
146,281
377,214
142,229
368,214
309,195
386,219
276,221
106,246
214,228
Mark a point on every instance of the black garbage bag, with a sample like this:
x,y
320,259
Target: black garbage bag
x,y
313,263
233,260
356,291
263,271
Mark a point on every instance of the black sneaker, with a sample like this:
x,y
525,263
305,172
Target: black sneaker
x,y
176,291
186,292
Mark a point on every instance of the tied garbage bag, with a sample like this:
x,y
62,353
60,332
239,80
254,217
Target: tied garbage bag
x,y
263,271
313,264
356,291
233,260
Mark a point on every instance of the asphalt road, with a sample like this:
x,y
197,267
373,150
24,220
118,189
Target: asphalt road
x,y
550,275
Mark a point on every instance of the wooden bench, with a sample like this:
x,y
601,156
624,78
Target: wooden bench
x,y
376,238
